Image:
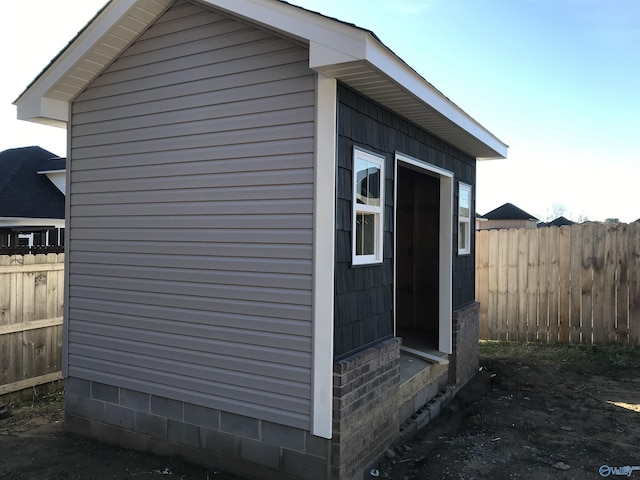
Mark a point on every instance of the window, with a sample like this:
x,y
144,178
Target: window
x,y
368,206
464,219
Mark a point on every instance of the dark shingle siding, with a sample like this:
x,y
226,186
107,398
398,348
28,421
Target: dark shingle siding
x,y
364,295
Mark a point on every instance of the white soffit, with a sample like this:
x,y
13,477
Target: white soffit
x,y
113,29
340,50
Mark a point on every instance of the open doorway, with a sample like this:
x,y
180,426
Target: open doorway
x,y
417,235
423,234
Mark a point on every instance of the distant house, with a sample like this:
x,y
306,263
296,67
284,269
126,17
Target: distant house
x,y
558,222
479,220
32,198
269,211
507,216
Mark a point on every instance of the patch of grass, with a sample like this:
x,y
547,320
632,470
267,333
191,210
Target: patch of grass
x,y
608,355
50,395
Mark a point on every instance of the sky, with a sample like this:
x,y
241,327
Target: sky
x,y
556,80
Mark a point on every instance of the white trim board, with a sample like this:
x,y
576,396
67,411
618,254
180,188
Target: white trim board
x,y
324,255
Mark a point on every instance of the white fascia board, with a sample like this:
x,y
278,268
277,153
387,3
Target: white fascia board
x,y
389,64
345,41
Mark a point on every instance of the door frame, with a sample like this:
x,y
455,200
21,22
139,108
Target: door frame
x,y
445,246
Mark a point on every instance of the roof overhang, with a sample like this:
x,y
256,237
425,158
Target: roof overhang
x,y
340,50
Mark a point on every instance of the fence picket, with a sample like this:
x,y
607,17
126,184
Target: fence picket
x,y
543,284
634,283
569,284
482,279
553,291
532,283
564,280
586,282
622,283
5,294
609,285
598,270
494,327
576,297
512,284
523,259
502,266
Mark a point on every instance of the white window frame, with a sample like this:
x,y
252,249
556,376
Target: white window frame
x,y
377,211
466,248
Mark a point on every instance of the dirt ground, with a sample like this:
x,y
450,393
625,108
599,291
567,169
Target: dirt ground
x,y
534,412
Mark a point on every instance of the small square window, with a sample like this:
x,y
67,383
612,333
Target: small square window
x,y
464,219
368,206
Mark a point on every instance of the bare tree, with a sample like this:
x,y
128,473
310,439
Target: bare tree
x,y
557,210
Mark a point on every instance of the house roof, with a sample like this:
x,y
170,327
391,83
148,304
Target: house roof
x,y
353,55
558,222
55,164
509,211
23,192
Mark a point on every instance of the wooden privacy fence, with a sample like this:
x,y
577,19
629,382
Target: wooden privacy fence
x,y
31,296
578,284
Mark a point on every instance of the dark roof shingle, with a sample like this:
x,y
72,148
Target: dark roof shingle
x,y
24,192
509,211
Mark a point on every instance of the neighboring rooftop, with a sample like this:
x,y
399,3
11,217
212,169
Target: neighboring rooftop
x,y
509,211
55,164
558,222
25,193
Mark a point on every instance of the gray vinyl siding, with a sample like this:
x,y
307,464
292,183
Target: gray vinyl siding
x,y
191,209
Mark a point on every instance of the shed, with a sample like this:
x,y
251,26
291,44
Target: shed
x,y
508,216
268,211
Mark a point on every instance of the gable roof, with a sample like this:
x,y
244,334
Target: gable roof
x,y
340,50
23,192
509,211
561,221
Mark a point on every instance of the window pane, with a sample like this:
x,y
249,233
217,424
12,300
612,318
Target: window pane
x,y
367,183
365,233
464,202
462,236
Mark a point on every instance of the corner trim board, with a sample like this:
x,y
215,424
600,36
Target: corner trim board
x,y
324,254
